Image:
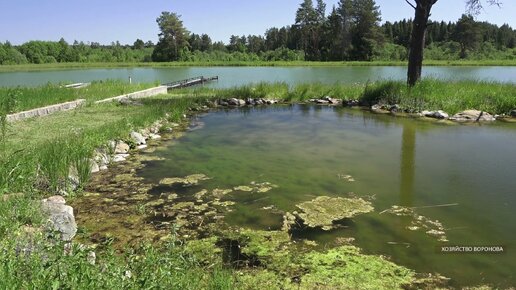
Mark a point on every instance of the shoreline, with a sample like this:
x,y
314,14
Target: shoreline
x,y
74,66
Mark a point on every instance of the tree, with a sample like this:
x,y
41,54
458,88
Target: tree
x,y
417,41
138,44
307,19
345,9
365,17
206,43
173,38
468,34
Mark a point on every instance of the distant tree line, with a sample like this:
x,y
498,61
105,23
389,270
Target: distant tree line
x,y
350,32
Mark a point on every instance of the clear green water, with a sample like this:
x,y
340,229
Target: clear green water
x,y
236,76
303,149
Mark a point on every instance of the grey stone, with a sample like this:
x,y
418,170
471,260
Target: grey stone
x,y
121,147
101,157
120,157
376,107
153,136
233,102
394,108
241,102
60,217
138,138
473,116
94,166
321,101
352,103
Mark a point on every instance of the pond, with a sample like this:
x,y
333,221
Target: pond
x,y
461,176
236,76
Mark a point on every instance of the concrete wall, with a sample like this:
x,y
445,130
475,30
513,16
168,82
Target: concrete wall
x,y
138,95
45,110
74,104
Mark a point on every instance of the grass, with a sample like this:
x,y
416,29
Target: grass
x,y
57,66
50,94
429,94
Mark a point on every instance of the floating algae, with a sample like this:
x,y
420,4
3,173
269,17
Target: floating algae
x,y
219,193
188,180
431,227
256,187
323,211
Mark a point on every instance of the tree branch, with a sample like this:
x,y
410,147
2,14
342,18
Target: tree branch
x,y
412,5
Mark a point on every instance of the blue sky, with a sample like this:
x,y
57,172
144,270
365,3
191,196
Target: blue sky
x,y
110,20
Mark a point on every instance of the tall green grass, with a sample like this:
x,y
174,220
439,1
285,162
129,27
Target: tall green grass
x,y
50,94
429,94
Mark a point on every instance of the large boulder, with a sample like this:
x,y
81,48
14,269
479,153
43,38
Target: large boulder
x,y
472,116
60,217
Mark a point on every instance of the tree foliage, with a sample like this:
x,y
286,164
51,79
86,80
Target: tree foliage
x,y
173,38
350,32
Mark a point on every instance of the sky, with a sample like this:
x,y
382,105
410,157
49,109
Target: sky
x,y
105,21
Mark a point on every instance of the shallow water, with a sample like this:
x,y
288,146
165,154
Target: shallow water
x,y
305,151
237,76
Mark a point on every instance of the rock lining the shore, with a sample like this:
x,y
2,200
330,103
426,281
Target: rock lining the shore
x,y
60,217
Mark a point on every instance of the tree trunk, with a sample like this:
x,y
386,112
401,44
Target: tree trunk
x,y
417,40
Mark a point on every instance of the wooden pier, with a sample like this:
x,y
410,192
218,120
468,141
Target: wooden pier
x,y
190,82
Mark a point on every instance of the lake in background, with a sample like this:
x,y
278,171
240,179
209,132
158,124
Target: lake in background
x,y
237,76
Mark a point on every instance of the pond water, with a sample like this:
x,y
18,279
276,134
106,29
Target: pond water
x,y
306,151
236,76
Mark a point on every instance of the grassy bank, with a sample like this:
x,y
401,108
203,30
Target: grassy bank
x,y
429,94
59,66
50,94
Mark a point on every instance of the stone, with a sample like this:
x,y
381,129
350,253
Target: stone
x,y
101,157
472,116
376,107
121,147
394,108
436,114
233,102
141,147
321,101
91,258
241,102
138,138
352,103
120,157
94,166
153,136
60,217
